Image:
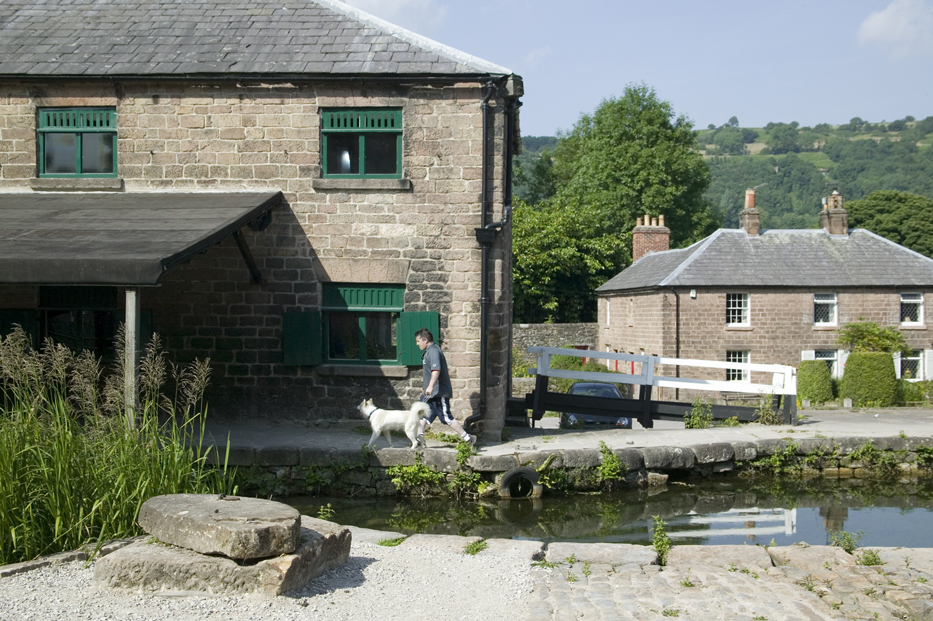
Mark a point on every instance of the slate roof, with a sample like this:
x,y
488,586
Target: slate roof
x,y
115,238
185,38
779,258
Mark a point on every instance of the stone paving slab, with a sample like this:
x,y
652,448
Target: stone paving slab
x,y
238,528
446,543
606,553
148,566
368,535
723,556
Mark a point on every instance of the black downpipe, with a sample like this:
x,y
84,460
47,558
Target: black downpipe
x,y
486,235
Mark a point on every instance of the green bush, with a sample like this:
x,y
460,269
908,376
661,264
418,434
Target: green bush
x,y
913,392
814,381
869,379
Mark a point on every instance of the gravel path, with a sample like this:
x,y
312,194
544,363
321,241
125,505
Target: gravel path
x,y
385,583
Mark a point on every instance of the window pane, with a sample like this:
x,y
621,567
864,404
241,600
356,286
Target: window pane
x,y
824,308
829,355
381,336
381,154
96,153
736,375
60,154
910,365
344,331
737,308
911,304
343,154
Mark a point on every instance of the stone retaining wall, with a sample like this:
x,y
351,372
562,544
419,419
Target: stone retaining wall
x,y
524,335
335,472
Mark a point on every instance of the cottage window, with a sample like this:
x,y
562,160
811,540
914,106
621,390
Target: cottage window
x,y
357,324
824,309
829,356
362,144
912,365
911,308
737,375
77,142
737,309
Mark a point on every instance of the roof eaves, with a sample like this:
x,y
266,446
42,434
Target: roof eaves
x,y
483,66
704,244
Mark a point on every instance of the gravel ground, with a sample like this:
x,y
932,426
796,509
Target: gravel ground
x,y
385,583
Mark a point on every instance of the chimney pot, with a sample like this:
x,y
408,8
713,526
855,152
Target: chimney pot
x,y
637,221
834,219
661,220
750,198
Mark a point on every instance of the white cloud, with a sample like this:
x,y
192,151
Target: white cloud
x,y
904,27
420,16
533,56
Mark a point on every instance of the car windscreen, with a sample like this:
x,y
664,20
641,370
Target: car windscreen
x,y
595,391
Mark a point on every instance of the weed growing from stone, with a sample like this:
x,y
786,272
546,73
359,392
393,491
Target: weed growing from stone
x,y
687,583
921,579
544,564
670,612
700,415
571,559
808,583
475,547
440,436
586,569
764,413
845,540
732,567
416,478
660,540
611,471
869,557
571,577
729,422
325,512
391,543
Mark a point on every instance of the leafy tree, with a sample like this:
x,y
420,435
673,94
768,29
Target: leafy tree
x,y
537,184
864,336
630,157
904,218
749,135
729,139
561,255
783,139
733,122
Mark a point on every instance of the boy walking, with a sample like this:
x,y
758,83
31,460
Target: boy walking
x,y
437,389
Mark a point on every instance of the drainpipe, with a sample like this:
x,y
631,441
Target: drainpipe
x,y
676,337
485,236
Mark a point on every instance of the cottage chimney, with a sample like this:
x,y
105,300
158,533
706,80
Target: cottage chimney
x,y
649,235
834,219
750,217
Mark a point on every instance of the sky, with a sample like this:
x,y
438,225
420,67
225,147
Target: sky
x,y
814,61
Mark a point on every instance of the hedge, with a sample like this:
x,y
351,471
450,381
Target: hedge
x,y
870,379
814,381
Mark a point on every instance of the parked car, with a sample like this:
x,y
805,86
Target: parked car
x,y
594,389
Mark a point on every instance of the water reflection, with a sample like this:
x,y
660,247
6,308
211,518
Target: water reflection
x,y
720,511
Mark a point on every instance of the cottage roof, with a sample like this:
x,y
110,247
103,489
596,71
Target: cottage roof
x,y
190,38
119,238
780,258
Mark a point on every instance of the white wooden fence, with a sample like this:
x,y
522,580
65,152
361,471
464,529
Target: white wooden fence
x,y
783,382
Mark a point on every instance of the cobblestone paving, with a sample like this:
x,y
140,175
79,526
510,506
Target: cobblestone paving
x,y
599,591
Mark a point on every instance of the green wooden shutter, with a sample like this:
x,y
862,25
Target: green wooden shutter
x,y
301,338
408,324
27,318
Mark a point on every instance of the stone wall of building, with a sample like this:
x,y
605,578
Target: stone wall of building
x,y
177,137
781,325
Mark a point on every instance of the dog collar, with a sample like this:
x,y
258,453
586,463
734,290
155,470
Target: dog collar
x,y
370,415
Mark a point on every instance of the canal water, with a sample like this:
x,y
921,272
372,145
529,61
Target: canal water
x,y
729,510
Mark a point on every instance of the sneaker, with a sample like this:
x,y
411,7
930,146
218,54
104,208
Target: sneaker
x,y
472,440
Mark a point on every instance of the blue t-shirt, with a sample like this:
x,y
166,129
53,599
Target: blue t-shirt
x,y
433,360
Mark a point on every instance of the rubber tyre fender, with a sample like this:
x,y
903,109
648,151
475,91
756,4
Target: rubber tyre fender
x,y
511,480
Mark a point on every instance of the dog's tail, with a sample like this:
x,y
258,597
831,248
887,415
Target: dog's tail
x,y
422,409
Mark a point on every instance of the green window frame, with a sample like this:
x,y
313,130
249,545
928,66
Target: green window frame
x,y
362,143
77,142
357,324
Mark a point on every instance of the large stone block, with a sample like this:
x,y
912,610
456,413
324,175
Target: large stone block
x,y
238,528
153,567
713,452
606,553
811,558
685,557
668,457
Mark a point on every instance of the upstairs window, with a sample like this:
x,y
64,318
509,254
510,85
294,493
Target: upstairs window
x,y
77,142
911,308
737,375
737,309
824,309
362,144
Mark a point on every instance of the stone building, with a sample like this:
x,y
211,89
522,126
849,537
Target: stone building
x,y
773,297
288,188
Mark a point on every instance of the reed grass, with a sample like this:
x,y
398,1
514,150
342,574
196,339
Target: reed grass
x,y
74,469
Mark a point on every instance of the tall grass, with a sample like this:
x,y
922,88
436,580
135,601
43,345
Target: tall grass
x,y
74,469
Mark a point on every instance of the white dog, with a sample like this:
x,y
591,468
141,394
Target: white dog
x,y
384,420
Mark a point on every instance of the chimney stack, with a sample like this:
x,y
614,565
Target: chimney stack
x,y
834,219
749,217
649,235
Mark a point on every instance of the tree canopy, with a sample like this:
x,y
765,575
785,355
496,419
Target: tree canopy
x,y
899,216
632,156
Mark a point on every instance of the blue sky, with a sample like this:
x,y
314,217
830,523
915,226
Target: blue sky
x,y
811,62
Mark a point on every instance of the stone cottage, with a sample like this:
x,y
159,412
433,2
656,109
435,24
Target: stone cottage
x,y
773,297
288,188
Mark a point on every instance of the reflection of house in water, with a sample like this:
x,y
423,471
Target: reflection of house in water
x,y
749,523
834,518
